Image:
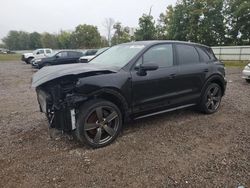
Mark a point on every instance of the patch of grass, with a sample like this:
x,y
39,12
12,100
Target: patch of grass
x,y
10,57
235,63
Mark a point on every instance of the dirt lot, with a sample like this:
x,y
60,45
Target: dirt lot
x,y
178,149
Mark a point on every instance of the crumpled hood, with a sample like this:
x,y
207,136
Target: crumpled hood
x,y
52,72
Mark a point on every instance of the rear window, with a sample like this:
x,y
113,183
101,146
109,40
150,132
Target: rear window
x,y
187,54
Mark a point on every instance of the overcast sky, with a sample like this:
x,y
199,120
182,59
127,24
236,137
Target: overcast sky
x,y
55,15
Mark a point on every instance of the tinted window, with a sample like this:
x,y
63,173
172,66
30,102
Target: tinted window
x,y
73,54
62,54
161,55
203,55
48,51
187,54
210,53
40,52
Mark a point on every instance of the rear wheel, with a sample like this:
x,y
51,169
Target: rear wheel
x,y
248,80
211,99
99,123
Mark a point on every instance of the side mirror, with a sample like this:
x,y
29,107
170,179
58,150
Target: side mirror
x,y
57,56
37,53
143,68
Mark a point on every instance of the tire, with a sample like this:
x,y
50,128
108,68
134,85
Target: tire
x,y
211,99
29,60
248,80
98,123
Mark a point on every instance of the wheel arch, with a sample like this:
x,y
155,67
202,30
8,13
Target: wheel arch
x,y
114,96
218,79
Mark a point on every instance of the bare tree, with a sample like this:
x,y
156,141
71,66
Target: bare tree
x,y
108,24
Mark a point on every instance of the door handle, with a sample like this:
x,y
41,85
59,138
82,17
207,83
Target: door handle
x,y
172,76
205,70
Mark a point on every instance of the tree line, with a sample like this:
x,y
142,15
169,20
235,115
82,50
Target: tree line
x,y
84,36
210,22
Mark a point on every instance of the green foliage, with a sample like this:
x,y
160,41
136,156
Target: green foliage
x,y
86,36
121,34
49,40
238,20
64,40
2,45
147,28
17,40
210,22
35,40
192,20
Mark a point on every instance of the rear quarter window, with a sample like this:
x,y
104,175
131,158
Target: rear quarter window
x,y
204,57
211,53
187,54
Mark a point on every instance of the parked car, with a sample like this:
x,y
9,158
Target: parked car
x,y
61,57
6,51
246,73
39,53
129,81
87,58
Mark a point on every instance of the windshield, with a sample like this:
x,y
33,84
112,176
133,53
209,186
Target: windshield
x,y
101,50
35,51
117,56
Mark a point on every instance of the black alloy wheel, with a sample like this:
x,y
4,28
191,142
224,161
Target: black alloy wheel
x,y
99,123
211,99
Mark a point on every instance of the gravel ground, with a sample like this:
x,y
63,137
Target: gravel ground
x,y
179,149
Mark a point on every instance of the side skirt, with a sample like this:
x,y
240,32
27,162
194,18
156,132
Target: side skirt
x,y
164,111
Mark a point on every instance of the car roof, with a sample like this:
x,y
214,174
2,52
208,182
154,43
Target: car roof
x,y
69,51
153,42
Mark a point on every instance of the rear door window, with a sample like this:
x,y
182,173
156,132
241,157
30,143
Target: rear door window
x,y
187,54
73,54
48,51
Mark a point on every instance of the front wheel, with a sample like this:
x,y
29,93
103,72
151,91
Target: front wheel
x,y
248,80
211,99
28,61
99,122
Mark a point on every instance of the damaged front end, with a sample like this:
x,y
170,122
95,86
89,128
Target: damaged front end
x,y
59,96
59,102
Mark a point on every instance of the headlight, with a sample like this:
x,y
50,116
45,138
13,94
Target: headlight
x,y
247,67
38,60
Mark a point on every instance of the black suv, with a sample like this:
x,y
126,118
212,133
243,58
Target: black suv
x,y
129,81
61,57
